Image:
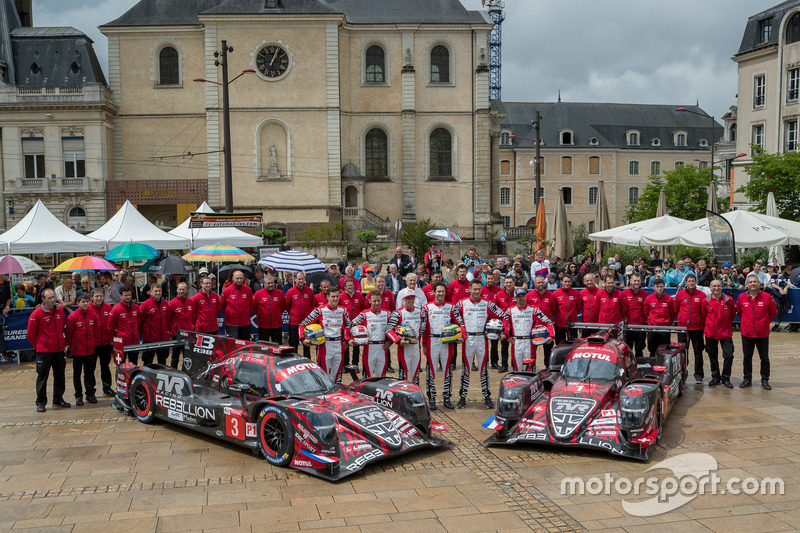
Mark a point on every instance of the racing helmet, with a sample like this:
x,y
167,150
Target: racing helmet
x,y
539,334
360,334
407,333
494,328
314,333
451,333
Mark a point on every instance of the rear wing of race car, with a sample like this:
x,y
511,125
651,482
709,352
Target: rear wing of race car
x,y
616,331
205,351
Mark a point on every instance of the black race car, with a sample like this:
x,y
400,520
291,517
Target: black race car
x,y
268,398
594,395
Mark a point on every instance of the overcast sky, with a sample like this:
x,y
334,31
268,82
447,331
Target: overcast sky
x,y
634,51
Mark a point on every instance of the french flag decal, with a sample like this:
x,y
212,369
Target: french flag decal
x,y
320,458
491,423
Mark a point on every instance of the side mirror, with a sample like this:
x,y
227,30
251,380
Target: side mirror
x,y
352,370
238,388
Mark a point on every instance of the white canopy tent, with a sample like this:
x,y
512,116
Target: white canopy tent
x,y
750,230
129,225
631,234
41,232
205,236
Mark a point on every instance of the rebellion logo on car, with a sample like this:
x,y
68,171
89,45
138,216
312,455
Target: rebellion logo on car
x,y
185,408
568,413
375,421
361,460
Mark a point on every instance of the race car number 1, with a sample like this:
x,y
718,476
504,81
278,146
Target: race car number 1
x,y
237,428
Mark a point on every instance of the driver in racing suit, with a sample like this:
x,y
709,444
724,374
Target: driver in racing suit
x,y
376,319
517,327
336,323
436,314
472,314
408,354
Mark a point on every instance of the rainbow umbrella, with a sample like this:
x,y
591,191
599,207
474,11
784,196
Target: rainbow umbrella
x,y
84,263
218,253
131,251
443,234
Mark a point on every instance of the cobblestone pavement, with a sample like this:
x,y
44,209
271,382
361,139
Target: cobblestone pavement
x,y
92,469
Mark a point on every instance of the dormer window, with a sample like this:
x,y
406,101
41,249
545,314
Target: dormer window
x,y
566,137
680,138
703,143
593,141
764,29
505,138
633,138
655,142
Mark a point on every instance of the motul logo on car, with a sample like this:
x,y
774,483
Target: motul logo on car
x,y
592,355
299,368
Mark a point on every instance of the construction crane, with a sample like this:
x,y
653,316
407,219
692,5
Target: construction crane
x,y
495,9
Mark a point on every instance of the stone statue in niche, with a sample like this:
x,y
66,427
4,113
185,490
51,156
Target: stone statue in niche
x,y
273,173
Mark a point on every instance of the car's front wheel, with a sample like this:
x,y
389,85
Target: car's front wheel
x,y
275,435
142,399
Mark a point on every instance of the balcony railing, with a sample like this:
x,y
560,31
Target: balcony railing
x,y
58,184
518,232
43,91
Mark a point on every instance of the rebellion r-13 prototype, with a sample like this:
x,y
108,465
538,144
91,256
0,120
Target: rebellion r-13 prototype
x,y
595,394
269,399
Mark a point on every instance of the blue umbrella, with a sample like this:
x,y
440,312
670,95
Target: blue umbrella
x,y
131,251
293,261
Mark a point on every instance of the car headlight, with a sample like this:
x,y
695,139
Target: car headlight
x,y
509,403
417,410
323,423
633,410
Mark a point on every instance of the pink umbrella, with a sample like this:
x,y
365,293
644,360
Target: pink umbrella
x,y
10,265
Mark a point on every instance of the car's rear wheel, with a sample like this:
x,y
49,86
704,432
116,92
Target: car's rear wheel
x,y
275,435
142,399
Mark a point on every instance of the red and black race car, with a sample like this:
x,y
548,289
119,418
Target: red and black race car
x,y
269,399
595,394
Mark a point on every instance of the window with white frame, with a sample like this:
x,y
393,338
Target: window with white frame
x,y
733,132
765,29
566,137
633,138
566,192
506,222
655,168
566,165
633,195
440,64
592,195
74,158
679,164
505,196
793,29
76,218
791,136
758,136
594,165
168,66
759,91
505,138
792,84
633,168
33,154
375,63
591,226
680,138
702,164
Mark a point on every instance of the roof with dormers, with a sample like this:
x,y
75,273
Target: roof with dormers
x,y
751,40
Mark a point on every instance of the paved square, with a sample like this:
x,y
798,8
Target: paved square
x,y
92,469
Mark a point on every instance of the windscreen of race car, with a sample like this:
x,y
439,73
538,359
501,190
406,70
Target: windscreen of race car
x,y
299,379
588,369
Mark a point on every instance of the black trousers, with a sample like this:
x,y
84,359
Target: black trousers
x,y
44,362
238,332
656,339
503,353
271,335
695,337
635,341
161,353
294,340
749,344
712,348
493,352
548,348
346,356
133,357
84,364
104,358
565,333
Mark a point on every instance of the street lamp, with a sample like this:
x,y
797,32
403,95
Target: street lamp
x,y
226,118
713,125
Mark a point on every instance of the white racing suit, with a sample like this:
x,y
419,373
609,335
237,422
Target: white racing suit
x,y
409,356
336,324
437,352
518,328
374,356
472,317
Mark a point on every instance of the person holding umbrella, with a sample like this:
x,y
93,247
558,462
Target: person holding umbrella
x,y
268,304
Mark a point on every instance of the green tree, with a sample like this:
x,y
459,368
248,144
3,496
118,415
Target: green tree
x,y
580,238
414,236
272,236
686,194
527,245
367,246
776,173
318,236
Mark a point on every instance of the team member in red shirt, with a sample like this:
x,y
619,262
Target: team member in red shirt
x,y
180,316
124,321
46,335
688,308
322,296
544,300
206,308
613,307
268,304
103,341
459,287
590,302
436,276
299,303
658,307
236,302
634,298
718,313
153,314
354,302
505,299
82,329
756,310
569,305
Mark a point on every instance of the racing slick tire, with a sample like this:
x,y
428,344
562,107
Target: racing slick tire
x,y
275,435
142,399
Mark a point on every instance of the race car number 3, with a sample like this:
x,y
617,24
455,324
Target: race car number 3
x,y
237,428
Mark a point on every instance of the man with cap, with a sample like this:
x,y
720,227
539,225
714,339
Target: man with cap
x,y
336,326
180,317
590,302
634,298
299,303
42,283
569,305
517,328
472,314
408,354
505,299
719,310
688,308
375,318
46,335
756,309
659,310
81,332
436,314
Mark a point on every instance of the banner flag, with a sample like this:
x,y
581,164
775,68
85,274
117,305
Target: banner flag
x,y
722,238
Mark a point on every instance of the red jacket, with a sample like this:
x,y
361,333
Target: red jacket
x,y
613,307
124,321
659,310
269,306
180,315
635,305
387,301
504,300
46,330
457,291
689,309
546,302
321,298
487,293
756,313
569,305
299,303
718,316
206,311
236,303
590,302
153,320
82,330
354,303
106,334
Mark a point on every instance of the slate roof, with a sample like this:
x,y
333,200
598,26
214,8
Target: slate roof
x,y
751,40
185,12
607,122
9,19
